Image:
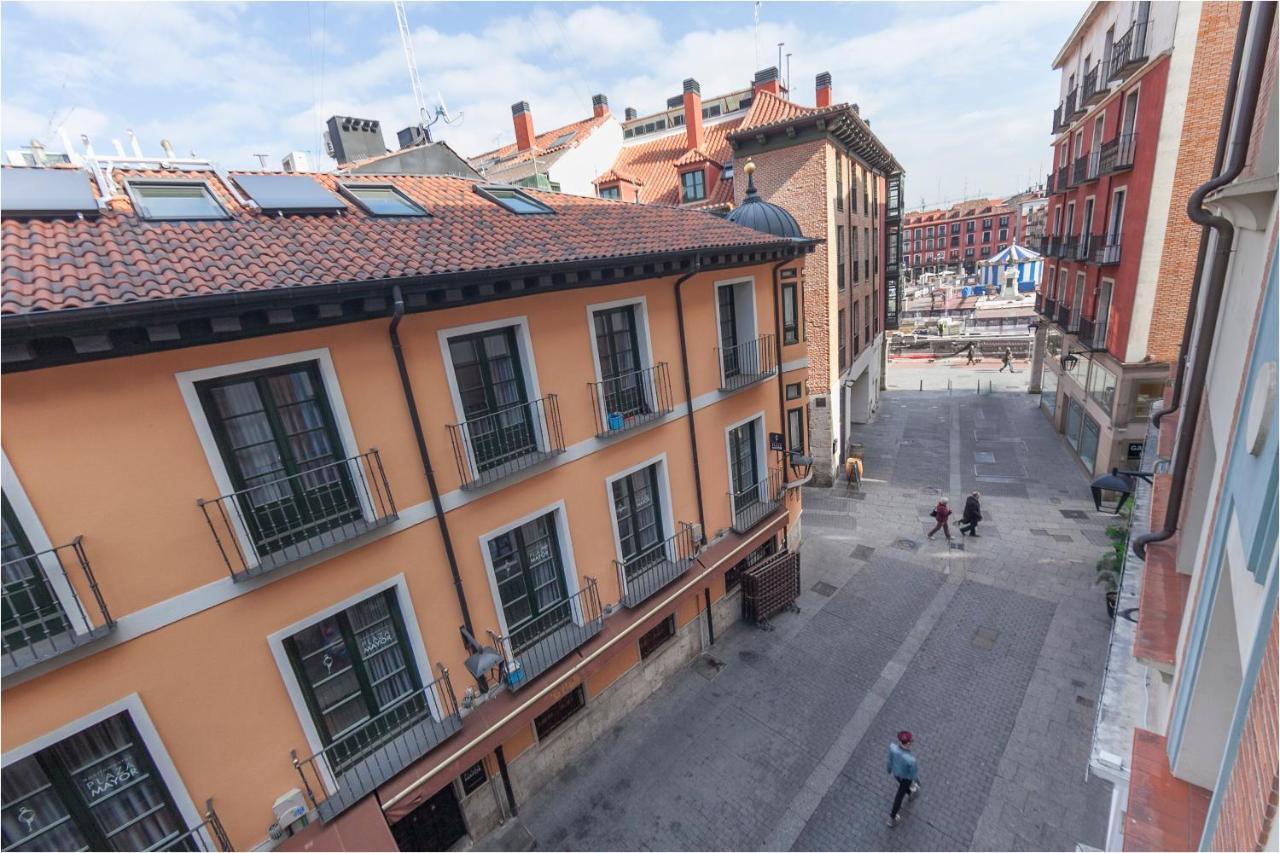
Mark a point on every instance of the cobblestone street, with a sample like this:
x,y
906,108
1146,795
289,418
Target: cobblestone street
x,y
989,650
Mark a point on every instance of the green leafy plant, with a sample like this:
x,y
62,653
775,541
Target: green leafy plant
x,y
1111,564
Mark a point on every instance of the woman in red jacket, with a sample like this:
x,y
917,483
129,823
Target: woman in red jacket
x,y
941,512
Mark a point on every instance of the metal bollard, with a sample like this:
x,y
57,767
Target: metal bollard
x,y
921,384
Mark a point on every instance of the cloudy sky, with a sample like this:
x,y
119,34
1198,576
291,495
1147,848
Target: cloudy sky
x,y
962,93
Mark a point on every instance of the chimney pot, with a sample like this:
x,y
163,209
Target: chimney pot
x,y
630,113
766,80
693,113
599,105
823,93
522,118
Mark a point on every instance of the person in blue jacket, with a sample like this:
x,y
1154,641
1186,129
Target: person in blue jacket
x,y
901,764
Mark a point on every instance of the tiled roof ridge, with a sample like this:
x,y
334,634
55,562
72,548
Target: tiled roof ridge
x,y
592,122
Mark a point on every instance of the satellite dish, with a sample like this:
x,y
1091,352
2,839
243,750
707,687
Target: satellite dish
x,y
442,111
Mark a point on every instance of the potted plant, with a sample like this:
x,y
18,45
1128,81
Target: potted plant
x,y
1110,567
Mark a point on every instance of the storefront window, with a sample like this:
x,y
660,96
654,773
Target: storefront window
x,y
1089,442
1144,394
1102,386
1049,391
1077,367
1072,429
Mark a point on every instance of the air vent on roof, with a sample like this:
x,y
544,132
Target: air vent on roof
x,y
289,193
46,192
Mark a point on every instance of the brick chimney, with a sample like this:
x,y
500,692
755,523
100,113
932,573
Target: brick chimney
x,y
767,81
523,120
693,113
599,105
823,98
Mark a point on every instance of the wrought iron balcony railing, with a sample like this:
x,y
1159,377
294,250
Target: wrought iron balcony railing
x,y
1048,185
1050,307
1129,51
631,399
1074,108
1093,333
1062,179
649,571
207,835
753,503
44,606
1083,242
1057,119
1094,169
1079,169
1092,90
748,362
271,524
1117,154
536,645
1107,253
1046,245
1067,247
493,446
376,749
1063,315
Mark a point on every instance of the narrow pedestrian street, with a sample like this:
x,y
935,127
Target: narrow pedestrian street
x,y
990,651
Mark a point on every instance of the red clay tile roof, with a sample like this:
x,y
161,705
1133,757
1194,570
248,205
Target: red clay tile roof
x,y
769,109
48,265
541,146
654,161
697,155
617,175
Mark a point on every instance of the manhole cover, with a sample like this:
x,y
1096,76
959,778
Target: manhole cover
x,y
823,588
1038,531
862,552
1088,703
906,544
984,638
955,546
1062,537
984,456
1073,513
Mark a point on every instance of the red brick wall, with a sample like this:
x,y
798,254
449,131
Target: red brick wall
x,y
1209,72
1249,802
919,220
796,178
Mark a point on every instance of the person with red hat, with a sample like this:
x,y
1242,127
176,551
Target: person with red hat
x,y
902,766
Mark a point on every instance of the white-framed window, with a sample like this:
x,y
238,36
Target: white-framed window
x,y
641,512
532,576
347,664
1077,300
281,447
745,450
1116,224
493,383
736,328
101,782
622,355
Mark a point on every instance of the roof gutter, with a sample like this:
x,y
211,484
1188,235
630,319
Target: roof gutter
x,y
1225,237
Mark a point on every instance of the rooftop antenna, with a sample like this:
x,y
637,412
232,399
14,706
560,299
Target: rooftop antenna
x,y
262,160
788,72
755,34
406,40
780,44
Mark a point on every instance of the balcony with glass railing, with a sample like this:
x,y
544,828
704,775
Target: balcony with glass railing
x,y
490,447
375,749
539,643
277,522
641,576
631,399
755,502
747,362
45,613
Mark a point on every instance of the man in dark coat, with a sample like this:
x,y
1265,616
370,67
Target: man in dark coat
x,y
972,515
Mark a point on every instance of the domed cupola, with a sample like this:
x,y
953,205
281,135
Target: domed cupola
x,y
755,212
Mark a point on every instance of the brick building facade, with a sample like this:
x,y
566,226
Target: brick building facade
x,y
957,238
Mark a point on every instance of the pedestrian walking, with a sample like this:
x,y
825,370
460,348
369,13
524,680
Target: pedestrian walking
x,y
941,512
970,353
1006,360
902,767
972,515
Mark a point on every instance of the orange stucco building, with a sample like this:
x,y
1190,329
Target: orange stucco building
x,y
342,494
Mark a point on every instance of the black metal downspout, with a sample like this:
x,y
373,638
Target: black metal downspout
x,y
1224,134
506,780
782,381
1243,122
688,391
397,314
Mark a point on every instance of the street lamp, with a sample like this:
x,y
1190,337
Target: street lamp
x,y
1112,491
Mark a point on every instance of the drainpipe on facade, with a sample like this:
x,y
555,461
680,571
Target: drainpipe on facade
x,y
397,314
688,391
1225,234
1224,134
782,380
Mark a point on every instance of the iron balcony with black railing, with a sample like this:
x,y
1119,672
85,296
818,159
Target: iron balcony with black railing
x,y
1070,109
1079,169
1129,51
641,576
490,447
1057,119
631,399
44,611
207,835
1117,154
748,362
1048,185
757,501
1094,170
537,644
1067,248
1093,89
1092,334
274,523
1107,253
1063,315
1062,178
1083,242
1050,306
373,750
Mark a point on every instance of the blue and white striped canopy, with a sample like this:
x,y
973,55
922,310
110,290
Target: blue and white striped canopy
x,y
1029,264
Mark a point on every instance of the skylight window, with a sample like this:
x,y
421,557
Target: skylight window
x,y
383,200
563,139
513,200
186,200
